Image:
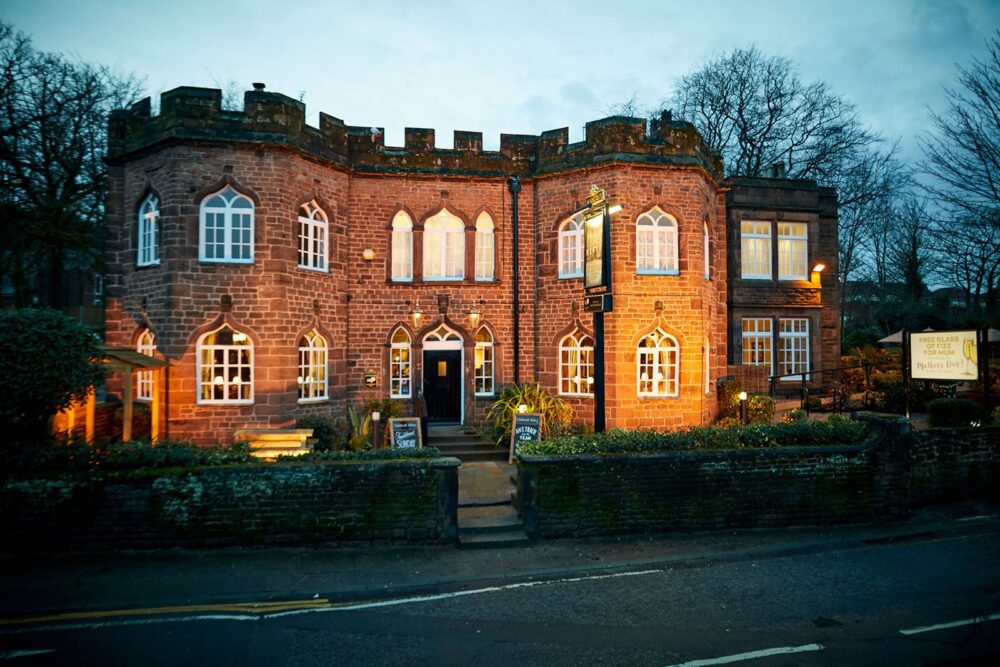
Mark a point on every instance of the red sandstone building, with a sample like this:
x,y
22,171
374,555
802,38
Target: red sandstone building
x,y
286,270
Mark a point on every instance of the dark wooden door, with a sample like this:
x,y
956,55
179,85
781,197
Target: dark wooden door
x,y
443,385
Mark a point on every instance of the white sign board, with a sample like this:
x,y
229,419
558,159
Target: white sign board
x,y
944,355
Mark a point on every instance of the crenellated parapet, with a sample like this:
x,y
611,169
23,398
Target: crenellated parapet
x,y
196,114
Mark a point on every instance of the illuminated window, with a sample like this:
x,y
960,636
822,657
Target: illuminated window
x,y
400,370
444,247
755,249
757,342
484,363
793,347
312,378
793,240
571,247
656,243
484,247
148,252
225,367
313,227
657,367
144,380
227,222
576,365
402,247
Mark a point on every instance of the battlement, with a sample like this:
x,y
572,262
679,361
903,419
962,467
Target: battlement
x,y
196,114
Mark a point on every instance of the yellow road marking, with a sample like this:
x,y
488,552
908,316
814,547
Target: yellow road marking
x,y
235,607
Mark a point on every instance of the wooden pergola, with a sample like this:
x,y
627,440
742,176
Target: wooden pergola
x,y
127,362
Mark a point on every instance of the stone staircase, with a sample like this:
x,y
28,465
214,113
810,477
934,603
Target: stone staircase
x,y
490,527
467,447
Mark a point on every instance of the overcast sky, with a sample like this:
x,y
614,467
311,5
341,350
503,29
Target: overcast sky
x,y
517,67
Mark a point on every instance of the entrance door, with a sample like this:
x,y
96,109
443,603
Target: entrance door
x,y
443,385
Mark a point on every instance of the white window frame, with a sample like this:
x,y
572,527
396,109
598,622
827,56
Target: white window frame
x,y
757,335
793,346
231,215
444,239
793,251
571,247
576,365
220,359
400,365
313,378
485,255
654,376
147,241
755,250
708,254
314,251
662,244
145,345
484,363
402,248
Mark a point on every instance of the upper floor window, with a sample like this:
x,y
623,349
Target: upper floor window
x,y
755,249
484,247
793,258
571,247
402,247
400,369
148,252
757,341
313,227
656,243
576,365
312,378
227,221
484,363
657,367
144,385
225,367
707,251
444,247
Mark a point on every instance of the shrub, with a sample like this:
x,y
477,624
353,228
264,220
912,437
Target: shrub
x,y
793,416
46,362
837,431
365,455
556,413
888,389
760,408
952,412
361,428
330,433
729,398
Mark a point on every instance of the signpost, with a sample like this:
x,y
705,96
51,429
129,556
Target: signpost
x,y
527,427
405,432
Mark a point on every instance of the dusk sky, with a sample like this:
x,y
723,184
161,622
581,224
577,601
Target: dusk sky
x,y
517,67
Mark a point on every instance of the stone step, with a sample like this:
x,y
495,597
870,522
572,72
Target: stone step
x,y
478,455
508,538
464,440
486,520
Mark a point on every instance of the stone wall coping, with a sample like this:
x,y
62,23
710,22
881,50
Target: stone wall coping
x,y
760,452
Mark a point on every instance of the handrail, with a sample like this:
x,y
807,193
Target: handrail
x,y
806,376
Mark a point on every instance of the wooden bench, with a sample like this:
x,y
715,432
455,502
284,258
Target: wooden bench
x,y
270,443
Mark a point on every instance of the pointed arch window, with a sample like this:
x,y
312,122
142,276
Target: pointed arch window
x,y
657,365
402,247
225,367
484,247
571,247
146,345
147,251
400,368
312,380
313,231
227,228
576,365
656,243
484,363
444,247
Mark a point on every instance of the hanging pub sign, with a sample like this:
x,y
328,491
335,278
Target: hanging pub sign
x,y
944,355
595,277
527,427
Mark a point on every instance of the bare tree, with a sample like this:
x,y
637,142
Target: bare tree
x,y
53,135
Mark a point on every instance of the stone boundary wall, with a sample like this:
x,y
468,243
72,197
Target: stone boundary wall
x,y
954,464
290,504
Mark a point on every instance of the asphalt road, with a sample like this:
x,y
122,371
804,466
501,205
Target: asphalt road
x,y
865,599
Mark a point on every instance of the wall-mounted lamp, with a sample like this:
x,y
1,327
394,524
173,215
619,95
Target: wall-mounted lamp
x,y
474,317
417,314
615,208
368,254
817,269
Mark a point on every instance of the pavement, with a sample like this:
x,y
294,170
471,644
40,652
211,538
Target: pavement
x,y
99,584
485,483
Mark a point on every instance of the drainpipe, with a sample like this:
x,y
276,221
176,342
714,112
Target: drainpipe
x,y
514,185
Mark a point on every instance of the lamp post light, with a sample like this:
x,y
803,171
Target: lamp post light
x,y
376,416
744,411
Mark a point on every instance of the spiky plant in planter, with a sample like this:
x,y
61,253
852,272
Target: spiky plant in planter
x,y
556,413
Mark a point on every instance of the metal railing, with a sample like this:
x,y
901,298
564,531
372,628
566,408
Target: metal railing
x,y
807,378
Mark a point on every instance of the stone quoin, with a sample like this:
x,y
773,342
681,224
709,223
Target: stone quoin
x,y
286,270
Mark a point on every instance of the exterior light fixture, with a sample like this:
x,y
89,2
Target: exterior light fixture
x,y
368,254
614,208
744,408
474,316
819,267
522,408
417,314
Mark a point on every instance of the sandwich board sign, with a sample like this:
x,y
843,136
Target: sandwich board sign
x,y
405,433
527,427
